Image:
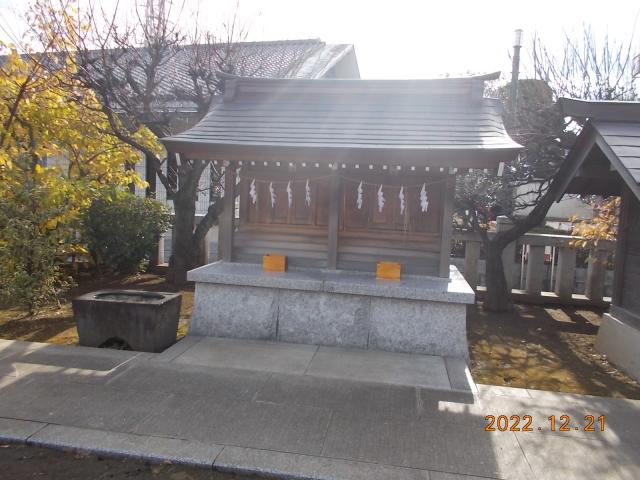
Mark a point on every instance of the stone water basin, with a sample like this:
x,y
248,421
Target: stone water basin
x,y
131,319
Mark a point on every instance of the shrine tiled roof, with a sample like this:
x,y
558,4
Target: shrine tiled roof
x,y
612,131
416,119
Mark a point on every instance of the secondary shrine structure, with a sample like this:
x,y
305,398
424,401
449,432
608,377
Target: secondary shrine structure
x,y
338,175
605,160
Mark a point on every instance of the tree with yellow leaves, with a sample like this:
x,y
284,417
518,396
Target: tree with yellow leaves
x,y
603,225
56,156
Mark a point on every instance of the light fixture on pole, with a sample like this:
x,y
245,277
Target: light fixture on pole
x,y
517,38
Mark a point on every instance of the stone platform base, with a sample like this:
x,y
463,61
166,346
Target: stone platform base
x,y
416,315
619,339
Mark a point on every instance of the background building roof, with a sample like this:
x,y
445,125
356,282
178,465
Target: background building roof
x,y
309,58
306,58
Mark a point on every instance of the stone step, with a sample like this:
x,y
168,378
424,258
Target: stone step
x,y
425,371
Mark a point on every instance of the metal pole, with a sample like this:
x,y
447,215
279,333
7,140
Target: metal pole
x,y
552,280
515,72
524,249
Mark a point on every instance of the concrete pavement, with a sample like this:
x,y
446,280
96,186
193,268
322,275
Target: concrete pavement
x,y
299,411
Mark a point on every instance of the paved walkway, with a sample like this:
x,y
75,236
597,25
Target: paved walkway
x,y
304,412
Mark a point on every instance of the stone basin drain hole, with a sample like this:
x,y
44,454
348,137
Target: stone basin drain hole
x,y
115,343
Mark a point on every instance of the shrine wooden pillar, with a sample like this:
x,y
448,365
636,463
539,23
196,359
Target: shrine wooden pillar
x,y
446,228
620,256
335,193
225,224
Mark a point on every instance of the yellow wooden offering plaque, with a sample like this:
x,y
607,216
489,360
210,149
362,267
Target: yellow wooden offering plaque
x,y
388,271
272,262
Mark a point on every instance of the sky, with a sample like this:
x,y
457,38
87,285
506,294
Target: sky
x,y
406,38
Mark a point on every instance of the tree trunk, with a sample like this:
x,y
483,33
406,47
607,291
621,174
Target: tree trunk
x,y
131,186
187,240
497,297
150,176
182,256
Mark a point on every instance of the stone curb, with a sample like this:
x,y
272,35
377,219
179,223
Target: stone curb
x,y
158,449
241,460
291,466
460,376
178,348
18,431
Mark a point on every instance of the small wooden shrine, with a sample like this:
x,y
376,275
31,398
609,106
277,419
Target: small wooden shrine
x,y
343,173
338,175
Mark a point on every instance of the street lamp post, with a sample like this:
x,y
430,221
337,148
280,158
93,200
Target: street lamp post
x,y
515,72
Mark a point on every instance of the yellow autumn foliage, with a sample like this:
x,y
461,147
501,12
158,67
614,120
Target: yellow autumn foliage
x,y
56,155
49,116
603,225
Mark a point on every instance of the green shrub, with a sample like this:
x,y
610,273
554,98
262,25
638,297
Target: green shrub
x,y
121,230
34,242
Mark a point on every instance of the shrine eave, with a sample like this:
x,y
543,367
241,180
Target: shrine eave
x,y
470,157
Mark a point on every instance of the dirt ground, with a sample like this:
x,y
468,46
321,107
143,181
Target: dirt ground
x,y
545,348
56,325
21,462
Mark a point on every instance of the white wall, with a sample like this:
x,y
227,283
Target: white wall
x,y
560,212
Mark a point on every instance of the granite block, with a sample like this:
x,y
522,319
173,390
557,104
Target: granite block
x,y
288,465
122,444
327,307
178,348
430,442
338,394
460,375
7,369
454,289
291,428
96,406
581,458
12,430
497,390
81,358
323,319
16,348
234,311
413,287
47,399
619,340
72,357
254,355
383,367
216,384
411,326
249,274
453,476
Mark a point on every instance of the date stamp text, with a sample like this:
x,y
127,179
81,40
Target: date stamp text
x,y
526,423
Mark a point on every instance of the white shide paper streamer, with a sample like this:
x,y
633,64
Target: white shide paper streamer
x,y
380,199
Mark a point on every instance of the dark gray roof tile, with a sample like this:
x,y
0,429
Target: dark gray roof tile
x,y
613,130
442,114
624,140
309,58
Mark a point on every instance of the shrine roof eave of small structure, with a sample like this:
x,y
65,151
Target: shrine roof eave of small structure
x,y
472,157
438,122
612,136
